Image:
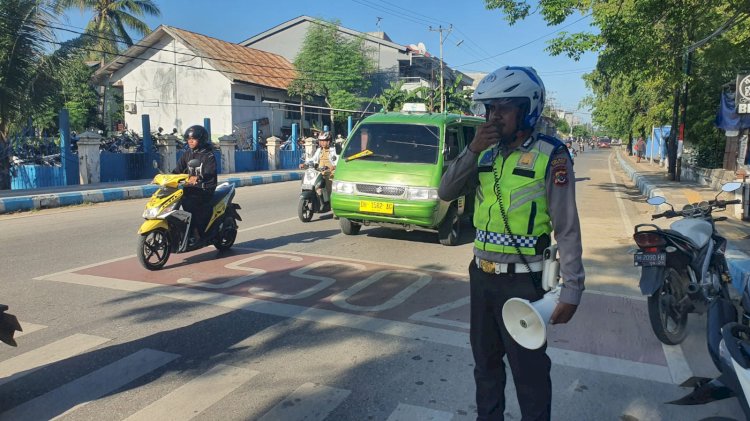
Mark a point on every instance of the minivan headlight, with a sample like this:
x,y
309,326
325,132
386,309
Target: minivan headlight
x,y
421,193
343,187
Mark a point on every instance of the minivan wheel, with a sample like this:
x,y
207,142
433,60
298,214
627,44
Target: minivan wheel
x,y
348,227
450,229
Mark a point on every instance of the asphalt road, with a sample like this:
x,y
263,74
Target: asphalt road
x,y
302,322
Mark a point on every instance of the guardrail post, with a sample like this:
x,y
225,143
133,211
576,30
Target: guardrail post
x,y
167,145
89,164
295,136
227,145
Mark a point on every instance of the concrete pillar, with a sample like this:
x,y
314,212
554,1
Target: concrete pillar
x,y
227,145
273,144
309,147
167,145
89,165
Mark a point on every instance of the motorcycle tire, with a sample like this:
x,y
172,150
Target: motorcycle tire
x,y
348,227
225,238
449,229
305,210
668,323
157,244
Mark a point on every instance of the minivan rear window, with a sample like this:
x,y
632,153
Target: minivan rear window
x,y
407,143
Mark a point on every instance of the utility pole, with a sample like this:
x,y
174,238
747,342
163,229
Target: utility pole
x,y
448,30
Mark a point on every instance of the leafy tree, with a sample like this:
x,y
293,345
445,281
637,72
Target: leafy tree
x,y
112,19
581,131
24,36
642,44
332,65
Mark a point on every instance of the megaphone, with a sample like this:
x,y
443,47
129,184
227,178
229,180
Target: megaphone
x,y
527,321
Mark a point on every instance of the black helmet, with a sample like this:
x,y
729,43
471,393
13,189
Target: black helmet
x,y
197,132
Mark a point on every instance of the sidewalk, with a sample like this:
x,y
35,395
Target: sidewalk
x,y
52,197
652,180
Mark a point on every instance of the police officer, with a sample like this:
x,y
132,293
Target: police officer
x,y
200,186
524,190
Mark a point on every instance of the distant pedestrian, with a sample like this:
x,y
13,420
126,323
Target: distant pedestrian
x,y
640,149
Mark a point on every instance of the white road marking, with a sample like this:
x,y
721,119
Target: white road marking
x,y
406,412
429,314
195,396
627,225
71,396
310,402
267,225
341,298
679,368
28,328
644,371
365,323
28,362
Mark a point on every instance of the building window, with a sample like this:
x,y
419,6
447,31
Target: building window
x,y
245,97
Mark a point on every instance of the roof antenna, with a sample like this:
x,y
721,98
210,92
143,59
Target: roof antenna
x,y
377,23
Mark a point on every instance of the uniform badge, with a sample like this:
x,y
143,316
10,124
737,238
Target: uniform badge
x,y
527,160
560,175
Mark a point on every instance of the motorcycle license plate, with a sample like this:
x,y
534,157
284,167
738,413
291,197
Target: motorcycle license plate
x,y
650,259
375,207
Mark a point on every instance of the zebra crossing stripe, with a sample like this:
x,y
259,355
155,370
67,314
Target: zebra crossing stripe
x,y
406,412
310,402
28,362
195,396
79,392
28,328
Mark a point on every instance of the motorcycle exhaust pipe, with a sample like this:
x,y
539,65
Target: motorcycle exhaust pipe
x,y
698,298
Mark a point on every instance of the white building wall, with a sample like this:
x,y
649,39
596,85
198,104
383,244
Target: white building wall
x,y
176,89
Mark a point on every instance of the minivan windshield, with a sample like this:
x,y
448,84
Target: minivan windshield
x,y
407,143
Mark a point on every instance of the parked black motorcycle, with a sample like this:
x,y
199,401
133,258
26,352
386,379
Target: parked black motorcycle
x,y
683,267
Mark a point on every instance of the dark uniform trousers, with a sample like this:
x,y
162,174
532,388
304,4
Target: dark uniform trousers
x,y
197,202
490,341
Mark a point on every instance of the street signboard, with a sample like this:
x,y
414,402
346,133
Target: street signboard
x,y
743,94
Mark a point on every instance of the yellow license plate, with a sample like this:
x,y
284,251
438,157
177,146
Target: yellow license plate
x,y
375,207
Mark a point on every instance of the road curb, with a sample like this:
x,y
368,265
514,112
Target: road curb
x,y
54,200
737,260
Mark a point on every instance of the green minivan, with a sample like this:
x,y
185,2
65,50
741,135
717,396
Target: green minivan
x,y
389,171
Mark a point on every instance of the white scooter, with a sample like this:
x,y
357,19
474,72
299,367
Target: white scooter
x,y
314,197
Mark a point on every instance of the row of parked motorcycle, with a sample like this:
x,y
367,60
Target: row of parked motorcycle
x,y
684,271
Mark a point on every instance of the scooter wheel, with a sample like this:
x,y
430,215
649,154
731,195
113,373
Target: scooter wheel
x,y
305,210
154,249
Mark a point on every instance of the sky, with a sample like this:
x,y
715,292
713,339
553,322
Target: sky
x,y
481,40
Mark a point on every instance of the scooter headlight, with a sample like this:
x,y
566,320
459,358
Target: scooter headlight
x,y
153,213
343,187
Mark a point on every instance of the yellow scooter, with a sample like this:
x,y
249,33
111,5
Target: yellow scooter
x,y
166,229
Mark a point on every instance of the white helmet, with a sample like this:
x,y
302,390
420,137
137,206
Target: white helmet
x,y
513,82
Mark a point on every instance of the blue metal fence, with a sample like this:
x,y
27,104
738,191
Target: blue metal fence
x,y
38,176
127,166
251,161
289,159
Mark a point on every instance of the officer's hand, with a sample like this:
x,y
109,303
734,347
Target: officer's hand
x,y
488,134
563,313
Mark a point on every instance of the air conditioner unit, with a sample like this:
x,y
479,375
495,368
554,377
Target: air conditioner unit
x,y
130,107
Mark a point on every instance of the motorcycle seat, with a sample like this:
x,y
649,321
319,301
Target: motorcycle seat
x,y
221,191
697,230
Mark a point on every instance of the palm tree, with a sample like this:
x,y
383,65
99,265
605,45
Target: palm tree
x,y
111,21
24,37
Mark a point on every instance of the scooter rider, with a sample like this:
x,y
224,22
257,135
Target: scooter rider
x,y
200,186
325,157
525,189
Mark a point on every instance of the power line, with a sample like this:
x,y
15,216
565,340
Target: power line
x,y
525,44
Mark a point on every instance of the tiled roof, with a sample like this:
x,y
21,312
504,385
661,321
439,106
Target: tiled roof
x,y
239,63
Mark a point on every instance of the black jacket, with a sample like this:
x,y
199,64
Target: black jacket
x,y
206,172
